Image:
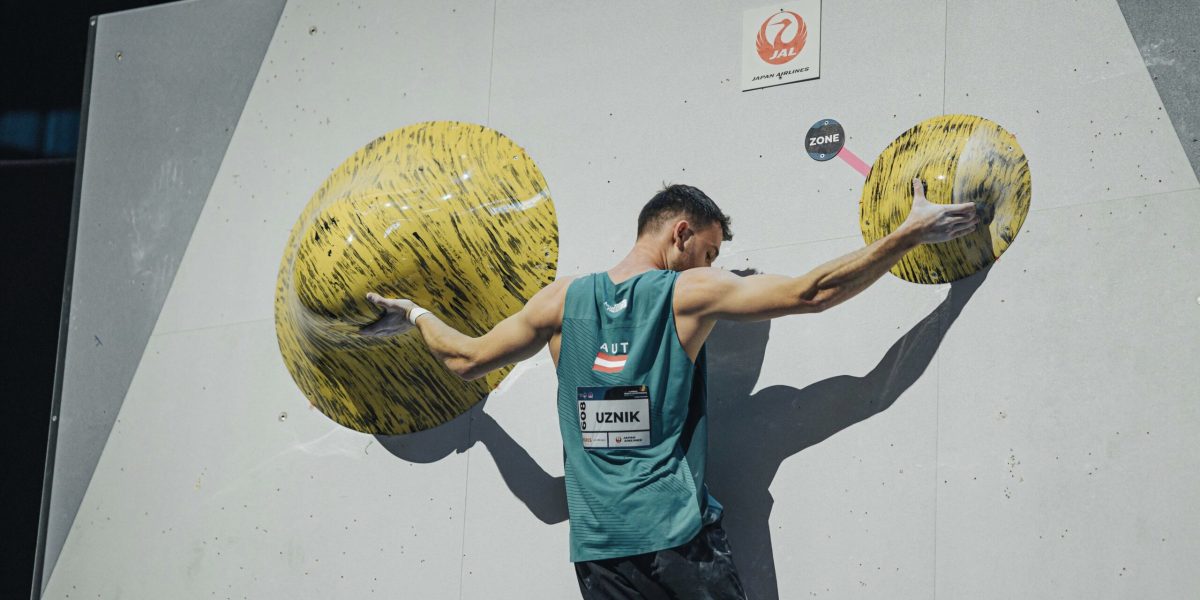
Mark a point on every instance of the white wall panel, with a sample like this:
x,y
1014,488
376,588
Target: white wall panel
x,y
337,75
1067,450
610,117
218,479
162,77
822,444
1067,79
516,501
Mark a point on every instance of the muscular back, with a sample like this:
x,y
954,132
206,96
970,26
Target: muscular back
x,y
702,296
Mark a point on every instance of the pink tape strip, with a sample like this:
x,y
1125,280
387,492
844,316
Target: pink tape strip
x,y
854,161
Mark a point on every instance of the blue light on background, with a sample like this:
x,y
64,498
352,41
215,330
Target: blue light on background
x,y
38,134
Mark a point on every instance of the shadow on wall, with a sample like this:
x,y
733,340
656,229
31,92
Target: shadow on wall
x,y
543,494
750,435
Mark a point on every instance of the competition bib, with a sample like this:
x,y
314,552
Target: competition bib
x,y
614,417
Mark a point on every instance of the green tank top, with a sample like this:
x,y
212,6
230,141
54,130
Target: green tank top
x,y
631,407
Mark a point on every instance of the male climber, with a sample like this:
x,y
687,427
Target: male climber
x,y
628,346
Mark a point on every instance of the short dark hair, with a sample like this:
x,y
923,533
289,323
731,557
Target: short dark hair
x,y
679,200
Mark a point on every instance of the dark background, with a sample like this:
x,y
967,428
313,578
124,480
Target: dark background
x,y
43,47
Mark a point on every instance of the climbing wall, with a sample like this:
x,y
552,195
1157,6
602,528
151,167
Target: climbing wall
x,y
1027,432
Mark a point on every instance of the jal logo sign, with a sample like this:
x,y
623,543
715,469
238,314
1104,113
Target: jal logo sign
x,y
781,44
781,37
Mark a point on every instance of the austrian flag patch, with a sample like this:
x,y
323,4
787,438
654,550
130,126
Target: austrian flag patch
x,y
611,357
609,363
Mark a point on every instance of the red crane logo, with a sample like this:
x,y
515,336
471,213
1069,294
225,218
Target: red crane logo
x,y
782,48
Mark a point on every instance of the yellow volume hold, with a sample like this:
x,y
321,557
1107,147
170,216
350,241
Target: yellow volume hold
x,y
960,158
454,216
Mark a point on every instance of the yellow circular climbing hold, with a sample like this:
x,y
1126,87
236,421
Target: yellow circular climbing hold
x,y
960,158
453,216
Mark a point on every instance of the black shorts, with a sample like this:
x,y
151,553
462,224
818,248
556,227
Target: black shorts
x,y
701,569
